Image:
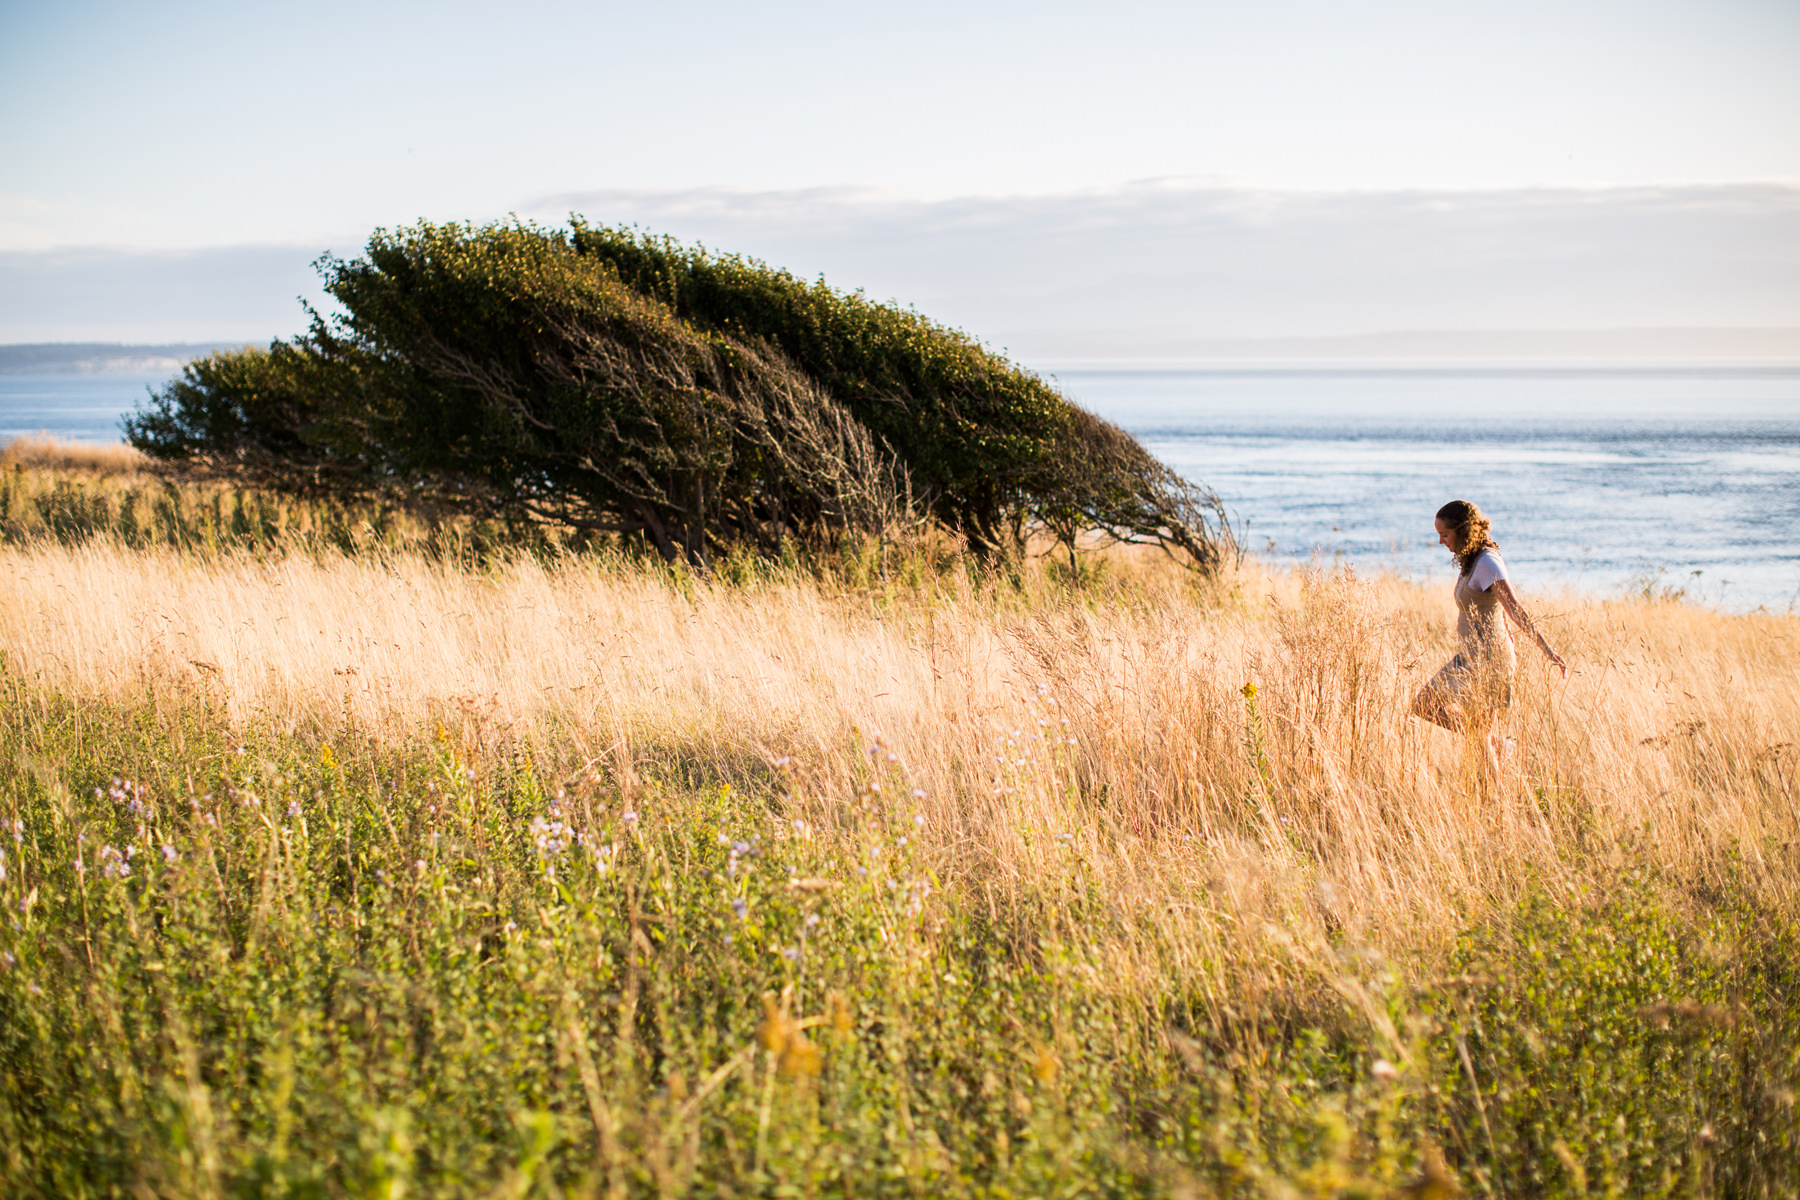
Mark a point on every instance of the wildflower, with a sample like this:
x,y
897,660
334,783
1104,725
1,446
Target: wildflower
x,y
113,864
168,852
919,820
918,793
509,927
812,919
629,817
551,837
1383,1069
739,908
293,808
419,865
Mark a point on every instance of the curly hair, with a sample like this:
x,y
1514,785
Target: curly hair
x,y
1470,529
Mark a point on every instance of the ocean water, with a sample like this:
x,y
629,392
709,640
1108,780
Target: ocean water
x,y
81,408
1602,480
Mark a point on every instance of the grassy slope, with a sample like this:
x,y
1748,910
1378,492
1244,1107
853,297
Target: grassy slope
x,y
449,878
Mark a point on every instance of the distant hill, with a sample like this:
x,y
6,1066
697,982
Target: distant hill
x,y
100,358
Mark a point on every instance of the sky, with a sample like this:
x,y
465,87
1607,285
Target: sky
x,y
1039,173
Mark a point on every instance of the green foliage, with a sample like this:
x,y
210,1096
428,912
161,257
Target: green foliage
x,y
606,380
258,411
245,963
1635,1050
989,443
976,432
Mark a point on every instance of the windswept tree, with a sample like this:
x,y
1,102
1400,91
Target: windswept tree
x,y
606,380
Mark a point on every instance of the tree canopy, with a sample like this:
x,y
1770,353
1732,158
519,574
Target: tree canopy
x,y
606,379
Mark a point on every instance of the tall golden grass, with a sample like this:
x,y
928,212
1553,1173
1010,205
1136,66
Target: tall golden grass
x,y
44,452
1043,724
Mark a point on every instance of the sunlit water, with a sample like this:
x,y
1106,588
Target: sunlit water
x,y
1601,480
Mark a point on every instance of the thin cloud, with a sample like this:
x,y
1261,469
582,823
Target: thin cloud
x,y
1157,268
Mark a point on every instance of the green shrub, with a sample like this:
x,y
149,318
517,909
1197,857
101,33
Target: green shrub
x,y
608,381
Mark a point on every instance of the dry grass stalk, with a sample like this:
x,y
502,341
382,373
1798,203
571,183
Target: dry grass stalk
x,y
47,453
1050,734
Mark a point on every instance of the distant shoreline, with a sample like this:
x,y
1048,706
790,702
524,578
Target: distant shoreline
x,y
1645,349
102,358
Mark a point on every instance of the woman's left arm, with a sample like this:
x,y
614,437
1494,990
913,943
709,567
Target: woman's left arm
x,y
1515,609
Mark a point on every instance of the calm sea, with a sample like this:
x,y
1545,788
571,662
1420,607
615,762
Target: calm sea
x,y
1596,479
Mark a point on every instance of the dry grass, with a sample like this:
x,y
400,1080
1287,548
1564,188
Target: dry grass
x,y
43,452
404,794
1040,723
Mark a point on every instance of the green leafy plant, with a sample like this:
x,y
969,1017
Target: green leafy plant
x,y
606,381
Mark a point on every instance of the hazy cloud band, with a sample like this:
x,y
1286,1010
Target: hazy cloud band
x,y
1157,268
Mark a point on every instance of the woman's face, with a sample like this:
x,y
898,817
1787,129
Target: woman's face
x,y
1446,535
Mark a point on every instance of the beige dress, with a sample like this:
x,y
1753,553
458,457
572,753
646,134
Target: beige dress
x,y
1480,674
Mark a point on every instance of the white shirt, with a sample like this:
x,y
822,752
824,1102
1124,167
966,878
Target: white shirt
x,y
1488,570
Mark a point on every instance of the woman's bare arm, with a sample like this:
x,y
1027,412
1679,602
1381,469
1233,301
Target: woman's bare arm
x,y
1515,609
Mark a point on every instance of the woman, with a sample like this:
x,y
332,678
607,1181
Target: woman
x,y
1476,684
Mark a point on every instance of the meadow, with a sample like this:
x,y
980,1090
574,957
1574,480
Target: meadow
x,y
353,852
